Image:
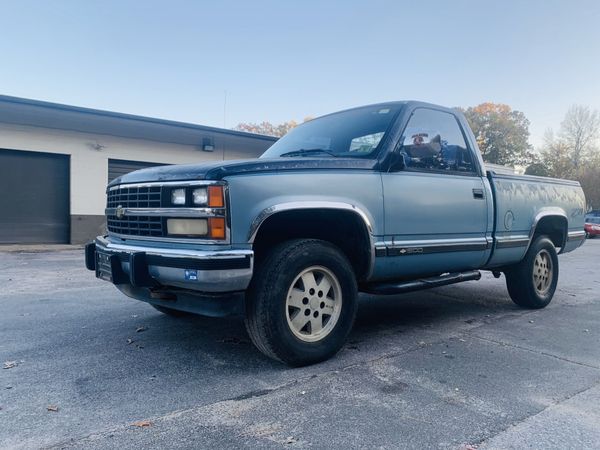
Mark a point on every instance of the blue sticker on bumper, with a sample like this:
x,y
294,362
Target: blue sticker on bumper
x,y
191,275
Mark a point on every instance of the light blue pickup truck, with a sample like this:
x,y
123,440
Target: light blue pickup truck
x,y
383,199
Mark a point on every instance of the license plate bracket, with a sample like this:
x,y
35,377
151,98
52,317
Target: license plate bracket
x,y
108,268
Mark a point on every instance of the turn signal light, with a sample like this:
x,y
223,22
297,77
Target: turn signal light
x,y
217,227
215,197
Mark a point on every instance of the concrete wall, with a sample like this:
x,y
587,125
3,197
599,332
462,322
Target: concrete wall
x,y
89,166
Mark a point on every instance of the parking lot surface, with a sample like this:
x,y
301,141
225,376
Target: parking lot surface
x,y
82,366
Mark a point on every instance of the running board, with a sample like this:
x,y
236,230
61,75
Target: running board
x,y
391,288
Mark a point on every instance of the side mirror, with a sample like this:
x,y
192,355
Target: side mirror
x,y
398,162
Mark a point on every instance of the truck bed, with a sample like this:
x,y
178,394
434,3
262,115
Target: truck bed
x,y
521,202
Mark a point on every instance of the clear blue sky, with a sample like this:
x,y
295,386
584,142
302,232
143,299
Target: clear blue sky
x,y
282,60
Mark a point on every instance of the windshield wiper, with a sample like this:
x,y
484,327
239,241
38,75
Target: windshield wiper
x,y
309,151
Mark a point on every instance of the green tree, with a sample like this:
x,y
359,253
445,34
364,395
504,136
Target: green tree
x,y
502,133
538,169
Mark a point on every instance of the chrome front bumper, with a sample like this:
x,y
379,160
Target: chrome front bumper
x,y
204,271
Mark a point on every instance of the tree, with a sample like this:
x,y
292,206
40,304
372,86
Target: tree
x,y
589,177
556,157
268,128
574,152
580,131
576,146
538,169
502,133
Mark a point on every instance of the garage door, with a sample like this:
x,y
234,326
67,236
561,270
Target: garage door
x,y
118,167
34,198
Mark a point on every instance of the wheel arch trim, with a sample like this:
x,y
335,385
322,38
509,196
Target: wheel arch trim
x,y
266,213
555,212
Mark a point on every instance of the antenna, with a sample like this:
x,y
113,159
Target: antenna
x,y
224,122
225,110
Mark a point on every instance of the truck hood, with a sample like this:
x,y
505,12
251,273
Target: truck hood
x,y
220,169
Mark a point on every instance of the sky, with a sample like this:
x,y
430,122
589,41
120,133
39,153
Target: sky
x,y
219,63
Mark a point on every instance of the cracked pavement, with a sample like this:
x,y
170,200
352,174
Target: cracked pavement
x,y
455,367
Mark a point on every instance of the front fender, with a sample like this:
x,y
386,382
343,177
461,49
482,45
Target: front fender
x,y
255,198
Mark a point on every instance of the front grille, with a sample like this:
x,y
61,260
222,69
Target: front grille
x,y
135,225
138,210
134,197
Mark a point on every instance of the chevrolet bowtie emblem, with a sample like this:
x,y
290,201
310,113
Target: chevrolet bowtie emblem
x,y
120,212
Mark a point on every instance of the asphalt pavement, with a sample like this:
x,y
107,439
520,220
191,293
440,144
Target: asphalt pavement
x,y
459,367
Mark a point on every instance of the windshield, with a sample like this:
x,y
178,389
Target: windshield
x,y
352,134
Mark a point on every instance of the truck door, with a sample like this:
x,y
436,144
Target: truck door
x,y
436,208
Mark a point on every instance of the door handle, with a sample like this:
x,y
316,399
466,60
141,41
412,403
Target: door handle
x,y
478,194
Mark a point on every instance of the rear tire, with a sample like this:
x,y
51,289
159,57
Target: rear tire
x,y
302,302
532,282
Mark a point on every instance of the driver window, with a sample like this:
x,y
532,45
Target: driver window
x,y
433,141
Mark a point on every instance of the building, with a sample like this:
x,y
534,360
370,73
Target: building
x,y
55,162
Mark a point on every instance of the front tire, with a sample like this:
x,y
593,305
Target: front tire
x,y
532,282
302,302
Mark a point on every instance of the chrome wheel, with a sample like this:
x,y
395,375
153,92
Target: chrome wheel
x,y
542,272
313,304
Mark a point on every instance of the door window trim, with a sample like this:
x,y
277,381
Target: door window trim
x,y
476,167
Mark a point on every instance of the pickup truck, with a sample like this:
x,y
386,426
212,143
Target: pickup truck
x,y
383,199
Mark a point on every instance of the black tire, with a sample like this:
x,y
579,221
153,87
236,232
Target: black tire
x,y
527,290
270,317
172,312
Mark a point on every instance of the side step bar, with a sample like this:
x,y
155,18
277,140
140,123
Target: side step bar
x,y
390,288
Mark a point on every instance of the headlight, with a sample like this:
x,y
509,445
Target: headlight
x,y
178,196
200,196
187,227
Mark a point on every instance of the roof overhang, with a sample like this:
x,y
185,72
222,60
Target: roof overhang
x,y
35,113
